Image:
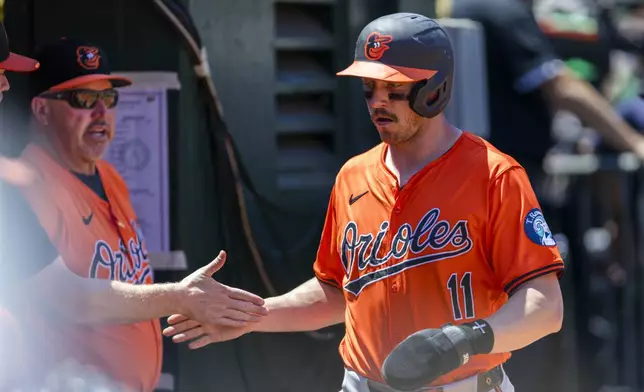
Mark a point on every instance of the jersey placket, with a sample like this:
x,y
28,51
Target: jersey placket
x,y
400,195
394,224
397,197
397,285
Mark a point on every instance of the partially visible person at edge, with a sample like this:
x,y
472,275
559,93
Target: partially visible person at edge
x,y
90,296
10,336
11,62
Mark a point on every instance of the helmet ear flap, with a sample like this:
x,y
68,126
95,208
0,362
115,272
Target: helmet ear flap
x,y
423,91
414,94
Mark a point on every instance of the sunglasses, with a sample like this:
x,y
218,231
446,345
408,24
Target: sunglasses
x,y
85,99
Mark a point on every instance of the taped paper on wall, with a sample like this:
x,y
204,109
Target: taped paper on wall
x,y
139,152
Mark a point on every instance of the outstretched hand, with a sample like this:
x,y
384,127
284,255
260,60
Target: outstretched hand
x,y
183,329
209,302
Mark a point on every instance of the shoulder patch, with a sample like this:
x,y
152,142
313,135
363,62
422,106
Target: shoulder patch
x,y
537,229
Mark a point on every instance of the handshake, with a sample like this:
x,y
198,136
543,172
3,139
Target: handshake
x,y
212,312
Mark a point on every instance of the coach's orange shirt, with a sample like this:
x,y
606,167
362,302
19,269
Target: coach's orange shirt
x,y
97,240
449,247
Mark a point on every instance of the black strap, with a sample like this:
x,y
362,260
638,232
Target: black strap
x,y
490,379
460,341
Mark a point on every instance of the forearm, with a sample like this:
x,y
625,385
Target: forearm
x,y
309,307
117,302
533,312
530,314
96,301
594,111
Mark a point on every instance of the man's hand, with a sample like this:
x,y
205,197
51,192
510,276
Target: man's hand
x,y
183,329
212,303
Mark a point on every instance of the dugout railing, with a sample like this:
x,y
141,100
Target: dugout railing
x,y
601,218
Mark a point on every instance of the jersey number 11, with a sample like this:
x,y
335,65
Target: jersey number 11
x,y
466,285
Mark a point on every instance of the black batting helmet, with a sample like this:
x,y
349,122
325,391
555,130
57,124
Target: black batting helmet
x,y
406,47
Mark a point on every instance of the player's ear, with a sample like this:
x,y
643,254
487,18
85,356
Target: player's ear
x,y
40,110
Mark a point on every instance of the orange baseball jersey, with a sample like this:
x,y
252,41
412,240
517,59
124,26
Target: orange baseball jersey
x,y
450,246
97,240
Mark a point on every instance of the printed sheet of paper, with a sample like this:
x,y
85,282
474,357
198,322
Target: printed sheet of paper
x,y
139,152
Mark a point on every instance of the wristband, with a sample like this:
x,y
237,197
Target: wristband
x,y
480,335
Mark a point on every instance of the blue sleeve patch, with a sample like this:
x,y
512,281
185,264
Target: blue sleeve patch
x,y
537,229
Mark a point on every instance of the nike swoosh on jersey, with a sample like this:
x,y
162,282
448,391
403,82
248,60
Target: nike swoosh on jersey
x,y
353,199
87,220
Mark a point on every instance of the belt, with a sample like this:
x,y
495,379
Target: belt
x,y
486,382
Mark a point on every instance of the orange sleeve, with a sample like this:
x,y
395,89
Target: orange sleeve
x,y
328,265
521,244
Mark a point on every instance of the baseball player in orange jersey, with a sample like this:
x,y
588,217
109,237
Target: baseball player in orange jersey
x,y
91,297
12,62
434,253
10,171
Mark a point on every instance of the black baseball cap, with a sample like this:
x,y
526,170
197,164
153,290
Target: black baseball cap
x,y
68,63
11,61
401,47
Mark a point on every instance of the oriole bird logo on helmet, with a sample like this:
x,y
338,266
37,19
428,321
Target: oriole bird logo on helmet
x,y
376,45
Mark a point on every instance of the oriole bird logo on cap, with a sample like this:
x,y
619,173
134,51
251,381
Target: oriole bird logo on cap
x,y
376,45
88,57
